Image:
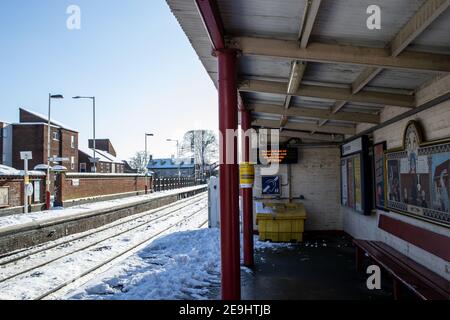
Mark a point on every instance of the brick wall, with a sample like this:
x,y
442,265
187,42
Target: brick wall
x,y
436,125
15,190
33,137
28,138
317,178
67,151
91,185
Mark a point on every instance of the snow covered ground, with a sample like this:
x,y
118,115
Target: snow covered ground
x,y
180,261
74,260
42,216
181,266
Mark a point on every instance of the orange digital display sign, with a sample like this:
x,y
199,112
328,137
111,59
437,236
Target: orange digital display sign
x,y
280,156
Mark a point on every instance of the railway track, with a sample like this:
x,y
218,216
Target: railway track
x,y
37,259
18,255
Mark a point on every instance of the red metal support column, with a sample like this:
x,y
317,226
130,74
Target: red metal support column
x,y
229,176
247,193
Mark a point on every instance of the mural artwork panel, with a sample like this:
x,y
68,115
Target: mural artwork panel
x,y
417,177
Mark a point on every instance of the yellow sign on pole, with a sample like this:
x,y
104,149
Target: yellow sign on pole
x,y
247,174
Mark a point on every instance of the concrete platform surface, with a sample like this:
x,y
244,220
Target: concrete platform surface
x,y
321,268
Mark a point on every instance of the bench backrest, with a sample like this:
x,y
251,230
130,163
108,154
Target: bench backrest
x,y
434,243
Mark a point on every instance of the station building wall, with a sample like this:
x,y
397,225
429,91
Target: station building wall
x,y
436,125
316,177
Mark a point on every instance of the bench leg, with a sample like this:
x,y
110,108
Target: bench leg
x,y
396,285
359,259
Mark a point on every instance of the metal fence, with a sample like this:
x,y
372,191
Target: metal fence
x,y
163,184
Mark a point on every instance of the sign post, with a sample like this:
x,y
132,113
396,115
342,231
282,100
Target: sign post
x,y
25,156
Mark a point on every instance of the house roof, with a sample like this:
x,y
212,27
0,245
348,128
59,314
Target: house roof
x,y
52,121
103,156
169,163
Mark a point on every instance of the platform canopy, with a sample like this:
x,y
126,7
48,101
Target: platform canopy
x,y
315,70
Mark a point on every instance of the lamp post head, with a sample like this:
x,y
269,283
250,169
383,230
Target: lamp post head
x,y
56,96
80,97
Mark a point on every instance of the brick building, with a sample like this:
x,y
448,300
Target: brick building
x,y
105,152
30,134
170,168
6,143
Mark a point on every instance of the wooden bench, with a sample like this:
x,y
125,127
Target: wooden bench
x,y
405,272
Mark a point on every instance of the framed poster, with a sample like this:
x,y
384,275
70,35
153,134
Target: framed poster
x,y
4,196
417,177
271,185
344,188
378,167
37,191
351,183
356,177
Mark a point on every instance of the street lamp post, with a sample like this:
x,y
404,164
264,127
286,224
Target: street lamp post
x,y
93,124
146,154
49,132
178,156
146,161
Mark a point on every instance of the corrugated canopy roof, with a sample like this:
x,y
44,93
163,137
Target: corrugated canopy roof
x,y
348,72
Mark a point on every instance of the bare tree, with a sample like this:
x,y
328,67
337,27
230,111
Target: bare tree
x,y
202,145
139,162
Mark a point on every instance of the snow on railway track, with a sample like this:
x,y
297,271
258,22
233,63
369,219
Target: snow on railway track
x,y
46,270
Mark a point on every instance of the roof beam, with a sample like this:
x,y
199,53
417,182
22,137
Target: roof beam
x,y
213,24
429,12
435,89
423,18
364,78
333,53
298,69
304,127
329,93
307,136
313,10
296,76
297,72
315,113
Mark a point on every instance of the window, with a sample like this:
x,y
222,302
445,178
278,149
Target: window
x,y
55,135
72,163
82,167
72,142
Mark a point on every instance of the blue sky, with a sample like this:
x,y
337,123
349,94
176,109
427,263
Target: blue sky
x,y
132,55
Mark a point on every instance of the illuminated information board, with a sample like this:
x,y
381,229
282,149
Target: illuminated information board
x,y
281,156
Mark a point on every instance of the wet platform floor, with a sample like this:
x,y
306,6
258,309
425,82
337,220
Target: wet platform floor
x,y
321,268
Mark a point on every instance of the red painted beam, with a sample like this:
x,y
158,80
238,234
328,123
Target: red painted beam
x,y
212,21
247,194
229,184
